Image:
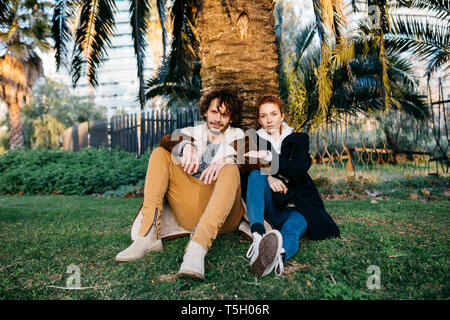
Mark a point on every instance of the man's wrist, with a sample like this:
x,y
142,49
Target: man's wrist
x,y
183,144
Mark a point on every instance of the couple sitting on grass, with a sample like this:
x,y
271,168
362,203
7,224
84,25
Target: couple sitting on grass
x,y
196,176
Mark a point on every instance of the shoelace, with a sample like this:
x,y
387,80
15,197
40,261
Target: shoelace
x,y
279,266
253,247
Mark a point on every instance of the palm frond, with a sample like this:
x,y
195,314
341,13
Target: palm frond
x,y
4,12
92,38
429,41
60,31
339,22
440,8
302,42
161,4
140,14
185,89
185,43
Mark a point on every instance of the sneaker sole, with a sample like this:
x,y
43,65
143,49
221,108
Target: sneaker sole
x,y
269,249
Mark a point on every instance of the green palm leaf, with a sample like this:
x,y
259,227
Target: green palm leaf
x,y
429,41
92,38
162,18
439,8
184,48
60,31
140,14
4,12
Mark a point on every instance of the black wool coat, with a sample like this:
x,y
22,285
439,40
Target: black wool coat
x,y
293,165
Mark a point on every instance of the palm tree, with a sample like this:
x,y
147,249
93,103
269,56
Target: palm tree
x,y
233,41
357,85
23,28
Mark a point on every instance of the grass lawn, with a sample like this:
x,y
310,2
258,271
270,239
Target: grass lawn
x,y
42,235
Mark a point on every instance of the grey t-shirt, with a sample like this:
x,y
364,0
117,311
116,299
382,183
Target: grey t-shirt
x,y
208,156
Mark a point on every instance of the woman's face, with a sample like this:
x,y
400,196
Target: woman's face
x,y
270,117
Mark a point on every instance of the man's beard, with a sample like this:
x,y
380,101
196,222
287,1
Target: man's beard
x,y
217,131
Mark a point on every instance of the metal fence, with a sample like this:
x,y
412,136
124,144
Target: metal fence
x,y
133,133
392,143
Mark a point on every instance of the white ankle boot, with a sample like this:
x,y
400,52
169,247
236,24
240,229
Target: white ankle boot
x,y
193,264
140,247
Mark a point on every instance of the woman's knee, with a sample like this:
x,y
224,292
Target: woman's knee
x,y
255,175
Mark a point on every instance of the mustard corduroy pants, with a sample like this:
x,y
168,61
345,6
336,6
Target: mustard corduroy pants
x,y
209,208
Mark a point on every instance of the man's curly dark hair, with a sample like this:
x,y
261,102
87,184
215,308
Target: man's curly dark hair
x,y
231,101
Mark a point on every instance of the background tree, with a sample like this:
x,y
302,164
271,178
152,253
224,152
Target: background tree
x,y
23,29
52,109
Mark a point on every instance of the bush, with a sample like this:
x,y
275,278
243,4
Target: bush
x,y
63,172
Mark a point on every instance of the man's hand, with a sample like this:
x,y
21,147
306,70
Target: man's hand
x,y
276,185
190,159
211,173
261,154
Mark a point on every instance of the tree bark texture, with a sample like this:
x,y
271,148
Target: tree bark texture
x,y
238,51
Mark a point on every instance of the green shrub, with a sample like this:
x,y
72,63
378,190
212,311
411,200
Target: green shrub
x,y
63,172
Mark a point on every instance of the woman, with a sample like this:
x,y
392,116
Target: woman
x,y
288,198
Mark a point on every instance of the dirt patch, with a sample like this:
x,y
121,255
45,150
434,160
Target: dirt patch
x,y
292,266
170,277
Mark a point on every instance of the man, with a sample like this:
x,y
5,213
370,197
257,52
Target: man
x,y
196,172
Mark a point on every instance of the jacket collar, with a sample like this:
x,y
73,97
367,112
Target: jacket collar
x,y
285,131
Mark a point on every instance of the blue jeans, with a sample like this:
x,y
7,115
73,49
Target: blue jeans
x,y
288,220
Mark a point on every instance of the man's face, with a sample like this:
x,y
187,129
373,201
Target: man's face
x,y
217,117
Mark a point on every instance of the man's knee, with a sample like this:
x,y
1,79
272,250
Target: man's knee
x,y
230,170
160,153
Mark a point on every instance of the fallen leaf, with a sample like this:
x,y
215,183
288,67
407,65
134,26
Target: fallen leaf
x,y
413,196
425,192
55,277
446,192
373,201
309,284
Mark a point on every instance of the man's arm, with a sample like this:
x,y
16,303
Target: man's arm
x,y
170,141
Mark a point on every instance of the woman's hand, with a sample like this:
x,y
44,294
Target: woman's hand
x,y
277,185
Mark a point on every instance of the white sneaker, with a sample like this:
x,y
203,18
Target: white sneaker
x,y
140,247
268,256
193,264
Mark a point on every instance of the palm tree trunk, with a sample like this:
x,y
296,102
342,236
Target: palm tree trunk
x,y
12,97
238,51
16,140
16,80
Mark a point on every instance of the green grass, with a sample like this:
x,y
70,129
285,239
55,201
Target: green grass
x,y
42,235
